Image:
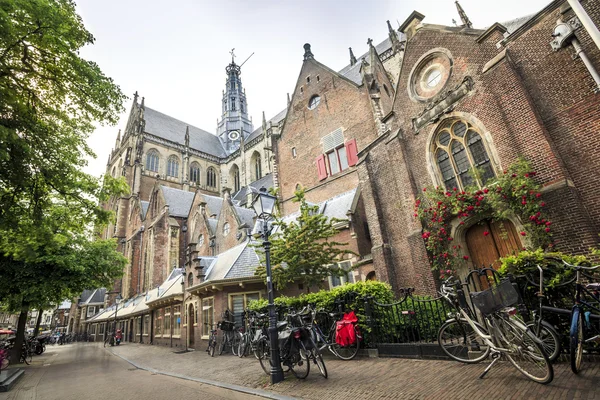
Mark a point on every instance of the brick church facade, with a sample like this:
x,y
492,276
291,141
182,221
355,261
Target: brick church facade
x,y
418,109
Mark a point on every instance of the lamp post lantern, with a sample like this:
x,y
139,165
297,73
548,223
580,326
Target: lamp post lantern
x,y
263,205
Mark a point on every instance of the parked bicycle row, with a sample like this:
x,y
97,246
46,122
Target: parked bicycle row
x,y
301,339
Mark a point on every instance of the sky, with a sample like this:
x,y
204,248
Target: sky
x,y
174,53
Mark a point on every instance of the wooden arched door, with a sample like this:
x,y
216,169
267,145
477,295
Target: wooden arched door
x,y
190,326
488,241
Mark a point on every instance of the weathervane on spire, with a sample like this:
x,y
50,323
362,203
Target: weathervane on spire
x,y
232,56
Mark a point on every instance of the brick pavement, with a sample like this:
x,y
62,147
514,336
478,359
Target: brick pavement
x,y
374,378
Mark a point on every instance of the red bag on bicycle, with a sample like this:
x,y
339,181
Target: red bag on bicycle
x,y
345,334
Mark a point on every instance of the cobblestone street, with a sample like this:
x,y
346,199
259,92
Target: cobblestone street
x,y
375,378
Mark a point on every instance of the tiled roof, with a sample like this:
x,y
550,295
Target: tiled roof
x,y
172,129
246,216
85,295
96,297
223,263
179,201
246,263
338,206
212,223
214,204
240,198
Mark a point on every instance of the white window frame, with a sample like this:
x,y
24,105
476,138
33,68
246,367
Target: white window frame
x,y
347,265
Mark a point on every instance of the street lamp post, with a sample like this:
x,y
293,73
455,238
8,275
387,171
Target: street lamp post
x,y
263,205
117,302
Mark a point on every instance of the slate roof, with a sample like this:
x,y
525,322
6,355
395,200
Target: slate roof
x,y
96,297
516,23
352,72
275,120
238,262
213,203
179,201
144,205
85,295
172,129
335,207
240,198
246,263
212,222
246,216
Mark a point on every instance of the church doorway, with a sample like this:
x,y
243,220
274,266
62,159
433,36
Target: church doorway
x,y
489,240
190,325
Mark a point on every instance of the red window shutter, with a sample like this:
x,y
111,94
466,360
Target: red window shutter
x,y
321,170
351,152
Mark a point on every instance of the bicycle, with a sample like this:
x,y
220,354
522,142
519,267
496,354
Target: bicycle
x,y
545,331
229,337
4,357
212,341
248,332
582,330
507,336
328,341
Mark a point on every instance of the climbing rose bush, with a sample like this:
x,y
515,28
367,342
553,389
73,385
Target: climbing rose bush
x,y
513,193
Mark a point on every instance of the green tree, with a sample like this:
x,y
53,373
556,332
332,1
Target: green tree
x,y
303,250
50,99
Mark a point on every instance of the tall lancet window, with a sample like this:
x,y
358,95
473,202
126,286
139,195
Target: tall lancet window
x,y
173,166
233,104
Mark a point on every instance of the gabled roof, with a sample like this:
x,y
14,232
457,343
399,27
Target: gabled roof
x,y
516,23
240,198
223,263
172,129
246,216
85,295
96,297
246,263
213,204
335,207
179,201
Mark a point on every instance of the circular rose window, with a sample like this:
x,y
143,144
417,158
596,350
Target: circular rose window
x,y
429,76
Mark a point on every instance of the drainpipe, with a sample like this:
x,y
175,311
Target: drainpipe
x,y
586,21
579,52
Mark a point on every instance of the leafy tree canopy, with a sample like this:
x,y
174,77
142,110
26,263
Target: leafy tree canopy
x,y
303,250
50,99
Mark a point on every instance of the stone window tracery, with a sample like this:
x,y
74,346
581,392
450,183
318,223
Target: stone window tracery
x,y
459,151
211,177
152,161
195,173
173,167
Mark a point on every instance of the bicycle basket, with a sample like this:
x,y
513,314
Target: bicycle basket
x,y
226,326
495,298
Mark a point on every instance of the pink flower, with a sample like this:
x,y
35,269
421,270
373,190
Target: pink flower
x,y
538,195
486,233
486,190
548,223
522,233
426,235
542,204
547,229
526,175
450,239
523,202
424,189
466,257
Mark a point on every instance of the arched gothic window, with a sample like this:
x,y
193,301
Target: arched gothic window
x,y
190,280
235,177
195,173
226,229
257,166
152,161
211,177
173,166
200,240
458,151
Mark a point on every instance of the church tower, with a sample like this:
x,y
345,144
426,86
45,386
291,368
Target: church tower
x,y
234,123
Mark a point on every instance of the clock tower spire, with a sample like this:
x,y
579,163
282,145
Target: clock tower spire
x,y
234,123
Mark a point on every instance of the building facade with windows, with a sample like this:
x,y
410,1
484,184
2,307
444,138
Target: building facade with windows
x,y
422,108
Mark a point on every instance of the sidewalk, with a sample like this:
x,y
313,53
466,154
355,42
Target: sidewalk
x,y
379,378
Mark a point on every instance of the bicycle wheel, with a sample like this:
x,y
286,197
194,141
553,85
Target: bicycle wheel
x,y
525,352
235,343
4,361
318,359
242,345
461,343
26,357
576,342
300,362
211,347
345,352
264,355
222,344
549,337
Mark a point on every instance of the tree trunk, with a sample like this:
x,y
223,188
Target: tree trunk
x,y
21,327
38,323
